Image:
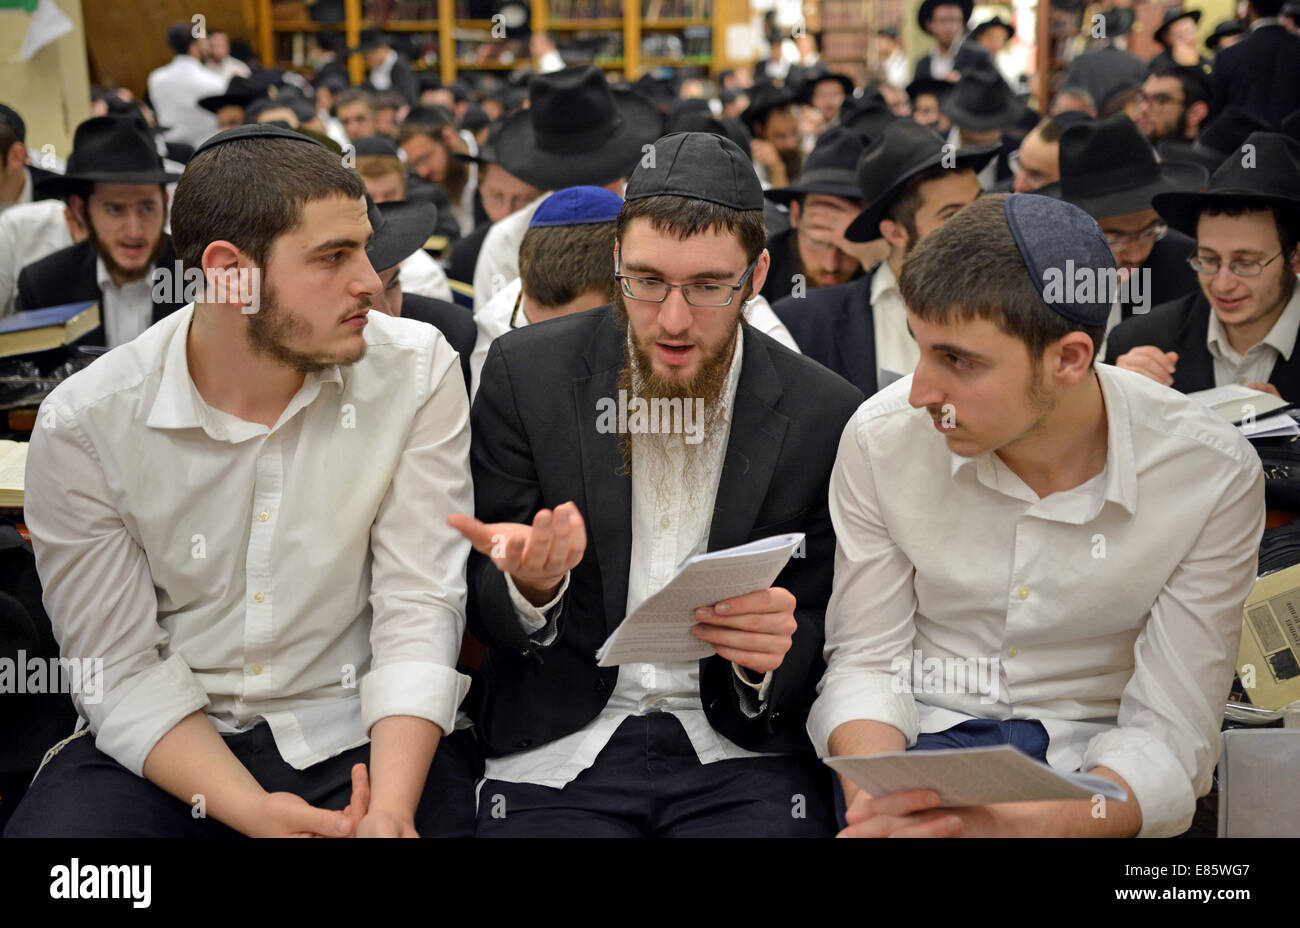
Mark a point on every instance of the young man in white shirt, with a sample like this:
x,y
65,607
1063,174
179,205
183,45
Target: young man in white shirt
x,y
237,514
1067,560
176,88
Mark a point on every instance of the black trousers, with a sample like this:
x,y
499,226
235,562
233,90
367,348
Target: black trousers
x,y
82,792
648,782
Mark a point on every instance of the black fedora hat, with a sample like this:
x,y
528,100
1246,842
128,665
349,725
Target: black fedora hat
x,y
1229,27
927,10
1271,173
1219,138
1172,16
931,85
996,21
111,150
764,99
398,229
577,130
905,150
982,102
1108,168
240,92
830,168
869,115
815,75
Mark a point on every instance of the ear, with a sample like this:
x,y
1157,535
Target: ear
x,y
77,206
1071,358
1196,113
17,156
759,277
795,206
221,257
893,233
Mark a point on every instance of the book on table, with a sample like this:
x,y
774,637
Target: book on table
x,y
42,329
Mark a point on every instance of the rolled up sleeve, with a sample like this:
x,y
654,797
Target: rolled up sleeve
x,y
99,593
418,568
870,616
1166,742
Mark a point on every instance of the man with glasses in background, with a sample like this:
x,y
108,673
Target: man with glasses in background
x,y
1173,104
1240,326
1112,173
707,747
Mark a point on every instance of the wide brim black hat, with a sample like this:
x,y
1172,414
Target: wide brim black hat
x,y
927,10
906,150
983,102
1224,29
1172,16
400,228
931,85
815,75
830,170
1271,176
551,157
996,21
240,92
766,97
111,150
1218,138
831,182
1108,168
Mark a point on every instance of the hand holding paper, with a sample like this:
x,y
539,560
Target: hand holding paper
x,y
754,630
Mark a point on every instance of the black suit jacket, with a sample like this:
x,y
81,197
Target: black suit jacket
x,y
1261,73
1171,276
404,82
68,276
456,323
970,56
1181,326
464,254
535,444
834,326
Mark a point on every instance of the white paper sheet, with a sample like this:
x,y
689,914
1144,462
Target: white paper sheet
x,y
1270,426
971,776
659,630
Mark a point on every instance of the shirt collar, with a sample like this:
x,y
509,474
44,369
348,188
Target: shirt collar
x,y
1120,469
1281,337
178,404
882,281
1265,21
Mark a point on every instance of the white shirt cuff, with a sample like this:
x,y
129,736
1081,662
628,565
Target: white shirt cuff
x,y
851,696
158,699
761,687
533,618
1156,779
419,688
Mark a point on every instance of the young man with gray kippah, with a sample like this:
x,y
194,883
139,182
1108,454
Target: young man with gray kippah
x,y
578,524
1080,536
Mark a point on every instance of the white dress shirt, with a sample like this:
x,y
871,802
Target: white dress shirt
x,y
667,528
125,311
381,76
423,276
1113,609
228,67
498,258
1256,365
175,90
28,232
896,349
493,321
299,575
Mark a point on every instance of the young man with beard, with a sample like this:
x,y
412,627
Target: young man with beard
x,y
577,525
1240,325
430,142
115,188
1174,103
255,490
773,119
1073,548
909,187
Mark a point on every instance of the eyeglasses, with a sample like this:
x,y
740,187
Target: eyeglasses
x,y
1156,231
1210,266
653,290
1157,99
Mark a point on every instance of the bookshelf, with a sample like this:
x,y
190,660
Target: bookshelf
x,y
626,37
846,28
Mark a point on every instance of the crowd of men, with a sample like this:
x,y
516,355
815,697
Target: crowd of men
x,y
271,516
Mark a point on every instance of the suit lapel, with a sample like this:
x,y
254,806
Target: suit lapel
x,y
608,511
753,447
1195,368
855,335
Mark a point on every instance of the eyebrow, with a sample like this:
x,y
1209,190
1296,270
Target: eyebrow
x,y
1235,251
336,243
647,269
953,349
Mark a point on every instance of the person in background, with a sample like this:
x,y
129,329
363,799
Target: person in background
x,y
220,61
1174,104
1177,37
176,88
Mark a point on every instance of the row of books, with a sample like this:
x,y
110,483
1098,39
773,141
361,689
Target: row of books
x,y
585,9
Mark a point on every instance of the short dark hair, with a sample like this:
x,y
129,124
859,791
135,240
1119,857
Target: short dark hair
x,y
683,217
251,191
557,264
1286,220
903,209
1267,7
354,95
1196,86
971,268
180,38
387,100
8,139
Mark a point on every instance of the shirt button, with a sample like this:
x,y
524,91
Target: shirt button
x,y
263,516
665,522
259,597
1023,592
1013,652
1242,381
256,668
